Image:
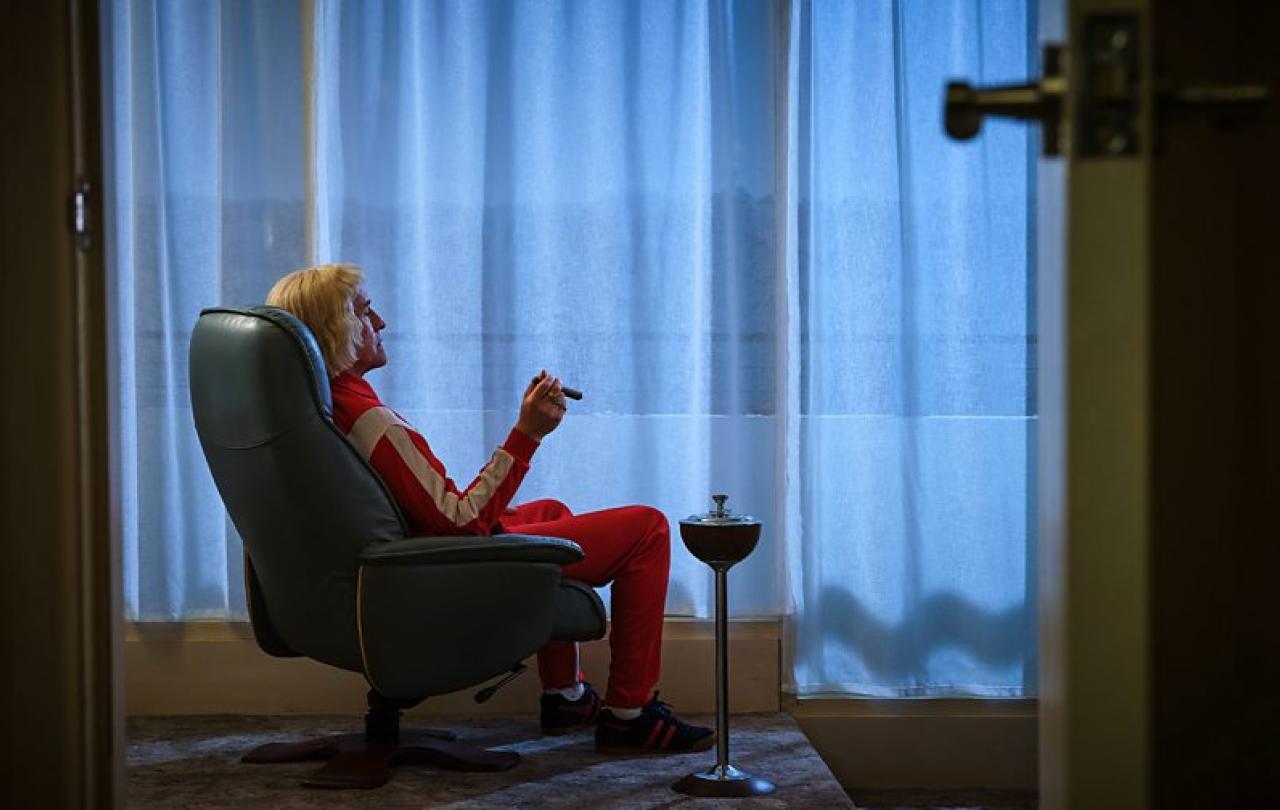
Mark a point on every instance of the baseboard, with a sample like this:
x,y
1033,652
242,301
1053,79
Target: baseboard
x,y
217,668
924,743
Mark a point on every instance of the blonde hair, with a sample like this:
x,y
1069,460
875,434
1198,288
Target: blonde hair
x,y
323,298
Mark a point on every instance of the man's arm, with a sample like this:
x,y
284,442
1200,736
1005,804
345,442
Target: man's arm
x,y
419,482
431,500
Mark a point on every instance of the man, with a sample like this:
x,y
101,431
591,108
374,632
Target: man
x,y
628,546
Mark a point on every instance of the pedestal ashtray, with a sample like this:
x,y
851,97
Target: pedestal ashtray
x,y
720,539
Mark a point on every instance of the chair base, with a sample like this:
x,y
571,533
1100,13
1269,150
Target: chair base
x,y
365,760
355,762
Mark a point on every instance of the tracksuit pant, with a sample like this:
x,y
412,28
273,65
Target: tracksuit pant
x,y
629,547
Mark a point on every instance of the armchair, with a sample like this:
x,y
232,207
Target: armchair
x,y
331,571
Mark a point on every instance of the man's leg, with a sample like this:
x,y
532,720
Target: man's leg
x,y
558,666
630,547
535,512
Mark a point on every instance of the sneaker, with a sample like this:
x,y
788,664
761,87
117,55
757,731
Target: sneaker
x,y
655,731
560,716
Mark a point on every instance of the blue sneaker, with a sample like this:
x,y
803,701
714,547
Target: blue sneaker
x,y
561,716
655,731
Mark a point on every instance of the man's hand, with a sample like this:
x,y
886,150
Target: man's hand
x,y
543,406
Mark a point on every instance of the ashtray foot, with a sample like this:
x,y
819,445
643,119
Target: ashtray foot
x,y
729,782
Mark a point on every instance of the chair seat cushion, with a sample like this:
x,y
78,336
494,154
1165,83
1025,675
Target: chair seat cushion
x,y
579,613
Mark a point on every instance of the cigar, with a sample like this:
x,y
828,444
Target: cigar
x,y
571,393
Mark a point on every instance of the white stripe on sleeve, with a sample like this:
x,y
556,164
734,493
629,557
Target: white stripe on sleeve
x,y
370,427
459,511
378,422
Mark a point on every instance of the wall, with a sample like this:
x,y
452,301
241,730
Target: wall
x,y
215,667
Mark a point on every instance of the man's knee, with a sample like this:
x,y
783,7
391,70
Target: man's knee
x,y
657,530
544,509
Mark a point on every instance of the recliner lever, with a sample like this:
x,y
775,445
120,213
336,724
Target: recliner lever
x,y
489,691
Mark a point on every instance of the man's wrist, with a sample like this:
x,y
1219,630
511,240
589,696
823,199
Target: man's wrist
x,y
521,443
529,431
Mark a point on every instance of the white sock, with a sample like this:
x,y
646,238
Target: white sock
x,y
570,693
623,714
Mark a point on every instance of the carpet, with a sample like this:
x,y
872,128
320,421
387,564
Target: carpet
x,y
193,762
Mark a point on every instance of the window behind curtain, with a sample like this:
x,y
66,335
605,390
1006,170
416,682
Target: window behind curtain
x,y
736,226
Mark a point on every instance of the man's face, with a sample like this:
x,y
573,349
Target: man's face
x,y
370,353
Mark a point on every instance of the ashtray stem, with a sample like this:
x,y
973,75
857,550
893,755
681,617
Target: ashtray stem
x,y
722,668
723,779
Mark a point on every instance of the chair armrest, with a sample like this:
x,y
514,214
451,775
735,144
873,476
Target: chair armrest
x,y
471,548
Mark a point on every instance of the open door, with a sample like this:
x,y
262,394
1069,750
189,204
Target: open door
x,y
1159,441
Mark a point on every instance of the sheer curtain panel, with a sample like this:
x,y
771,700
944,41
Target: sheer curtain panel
x,y
205,199
582,187
912,446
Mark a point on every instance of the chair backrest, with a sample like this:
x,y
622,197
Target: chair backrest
x,y
304,501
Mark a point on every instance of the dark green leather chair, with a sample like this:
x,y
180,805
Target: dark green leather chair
x,y
331,571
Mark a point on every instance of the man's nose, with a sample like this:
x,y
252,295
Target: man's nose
x,y
378,323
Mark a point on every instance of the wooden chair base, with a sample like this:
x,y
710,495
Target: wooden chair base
x,y
355,762
365,760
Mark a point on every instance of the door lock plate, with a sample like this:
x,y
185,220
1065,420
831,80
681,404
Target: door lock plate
x,y
1108,109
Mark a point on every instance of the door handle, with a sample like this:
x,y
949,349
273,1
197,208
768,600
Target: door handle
x,y
1038,101
1108,98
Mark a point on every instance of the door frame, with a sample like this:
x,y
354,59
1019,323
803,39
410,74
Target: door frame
x,y
61,615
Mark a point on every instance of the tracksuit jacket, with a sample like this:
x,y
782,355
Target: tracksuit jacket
x,y
429,499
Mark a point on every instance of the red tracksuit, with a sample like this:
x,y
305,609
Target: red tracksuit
x,y
628,546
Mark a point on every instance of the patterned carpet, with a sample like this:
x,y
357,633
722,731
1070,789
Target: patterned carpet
x,y
193,762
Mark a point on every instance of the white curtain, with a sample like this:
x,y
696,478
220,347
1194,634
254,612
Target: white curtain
x,y
912,380
205,191
736,226
585,187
